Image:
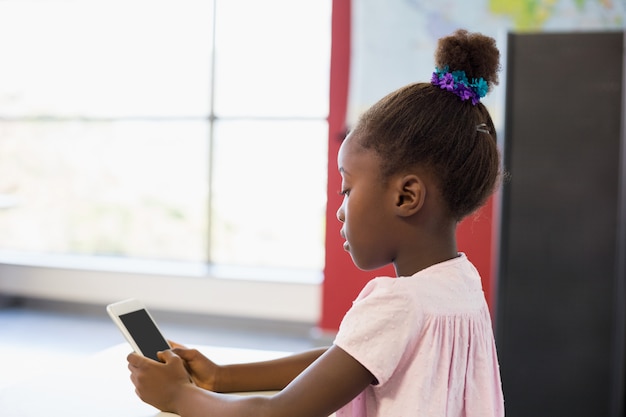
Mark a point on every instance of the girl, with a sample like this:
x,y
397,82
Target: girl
x,y
419,344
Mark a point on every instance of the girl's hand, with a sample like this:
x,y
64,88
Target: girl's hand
x,y
202,370
175,345
158,383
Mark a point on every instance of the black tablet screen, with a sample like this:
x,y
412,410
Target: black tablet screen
x,y
145,333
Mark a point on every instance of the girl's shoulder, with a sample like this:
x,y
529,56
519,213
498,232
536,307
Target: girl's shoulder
x,y
450,286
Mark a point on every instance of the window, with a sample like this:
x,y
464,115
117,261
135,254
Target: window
x,y
178,130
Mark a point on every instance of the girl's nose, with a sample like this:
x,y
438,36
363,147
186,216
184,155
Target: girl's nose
x,y
340,214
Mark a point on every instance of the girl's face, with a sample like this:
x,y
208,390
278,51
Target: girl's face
x,y
367,208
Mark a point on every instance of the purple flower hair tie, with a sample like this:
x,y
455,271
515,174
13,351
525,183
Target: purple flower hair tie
x,y
457,83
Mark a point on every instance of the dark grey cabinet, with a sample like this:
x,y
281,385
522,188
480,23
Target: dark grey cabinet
x,y
560,312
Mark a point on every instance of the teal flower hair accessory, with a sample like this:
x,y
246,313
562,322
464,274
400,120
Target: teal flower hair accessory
x,y
457,83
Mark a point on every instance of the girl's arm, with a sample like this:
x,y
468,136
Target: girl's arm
x,y
327,384
269,375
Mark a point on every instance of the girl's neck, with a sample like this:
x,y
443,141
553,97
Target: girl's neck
x,y
428,253
412,270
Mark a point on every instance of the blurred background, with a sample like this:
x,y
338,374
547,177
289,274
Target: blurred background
x,y
182,152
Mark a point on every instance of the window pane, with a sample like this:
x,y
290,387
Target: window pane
x,y
272,58
136,189
105,58
105,129
269,193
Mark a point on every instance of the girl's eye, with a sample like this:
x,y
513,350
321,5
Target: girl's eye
x,y
344,192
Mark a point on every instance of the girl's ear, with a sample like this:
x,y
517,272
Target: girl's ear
x,y
411,195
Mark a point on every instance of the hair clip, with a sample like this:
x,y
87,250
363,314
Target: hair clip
x,y
483,128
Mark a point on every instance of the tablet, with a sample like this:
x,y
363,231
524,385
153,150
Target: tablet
x,y
138,327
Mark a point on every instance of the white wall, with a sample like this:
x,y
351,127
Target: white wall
x,y
236,292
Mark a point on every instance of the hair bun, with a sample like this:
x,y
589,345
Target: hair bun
x,y
474,53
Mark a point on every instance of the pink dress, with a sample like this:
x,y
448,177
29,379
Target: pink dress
x,y
428,341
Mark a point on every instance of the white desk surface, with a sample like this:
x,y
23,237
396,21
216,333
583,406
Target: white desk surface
x,y
98,386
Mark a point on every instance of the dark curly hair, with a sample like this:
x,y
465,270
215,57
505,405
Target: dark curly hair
x,y
422,124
